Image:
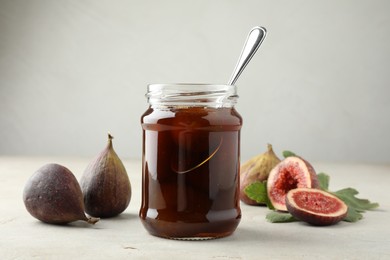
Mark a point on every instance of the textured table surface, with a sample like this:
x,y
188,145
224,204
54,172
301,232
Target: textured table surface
x,y
123,237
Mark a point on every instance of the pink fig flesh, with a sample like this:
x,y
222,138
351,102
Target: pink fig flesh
x,y
315,206
293,172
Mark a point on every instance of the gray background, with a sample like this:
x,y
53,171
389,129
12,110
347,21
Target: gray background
x,y
72,70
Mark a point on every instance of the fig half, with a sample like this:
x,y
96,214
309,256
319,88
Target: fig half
x,y
293,172
315,206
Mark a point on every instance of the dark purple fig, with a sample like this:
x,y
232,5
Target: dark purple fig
x,y
106,185
293,172
53,195
256,169
315,206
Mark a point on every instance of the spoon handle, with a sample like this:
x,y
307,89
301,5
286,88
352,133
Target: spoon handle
x,y
253,42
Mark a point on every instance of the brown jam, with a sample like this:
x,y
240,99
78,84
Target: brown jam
x,y
190,172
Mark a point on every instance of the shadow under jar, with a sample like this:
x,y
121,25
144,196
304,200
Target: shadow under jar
x,y
191,161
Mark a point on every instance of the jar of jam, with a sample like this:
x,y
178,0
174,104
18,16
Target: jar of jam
x,y
191,161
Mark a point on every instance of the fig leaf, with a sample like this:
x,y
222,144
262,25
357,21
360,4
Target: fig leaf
x,y
323,179
288,154
353,215
360,205
280,217
257,191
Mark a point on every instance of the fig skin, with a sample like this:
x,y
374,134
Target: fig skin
x,y
292,172
315,206
256,169
105,184
53,195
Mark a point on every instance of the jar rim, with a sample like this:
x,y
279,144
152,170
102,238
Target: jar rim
x,y
192,94
154,86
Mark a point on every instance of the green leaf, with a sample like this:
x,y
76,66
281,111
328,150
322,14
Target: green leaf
x,y
288,154
360,205
280,217
352,215
323,179
257,191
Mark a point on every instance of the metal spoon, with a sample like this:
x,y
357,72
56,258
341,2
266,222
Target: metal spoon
x,y
253,42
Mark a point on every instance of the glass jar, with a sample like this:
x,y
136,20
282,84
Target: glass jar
x,y
191,161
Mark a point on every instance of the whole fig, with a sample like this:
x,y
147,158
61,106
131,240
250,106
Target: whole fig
x,y
256,169
106,185
53,195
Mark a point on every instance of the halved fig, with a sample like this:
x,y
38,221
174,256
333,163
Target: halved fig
x,y
315,206
293,172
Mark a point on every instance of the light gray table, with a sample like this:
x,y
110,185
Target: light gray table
x,y
123,237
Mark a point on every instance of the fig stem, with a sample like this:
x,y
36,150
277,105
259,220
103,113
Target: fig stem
x,y
92,220
110,137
